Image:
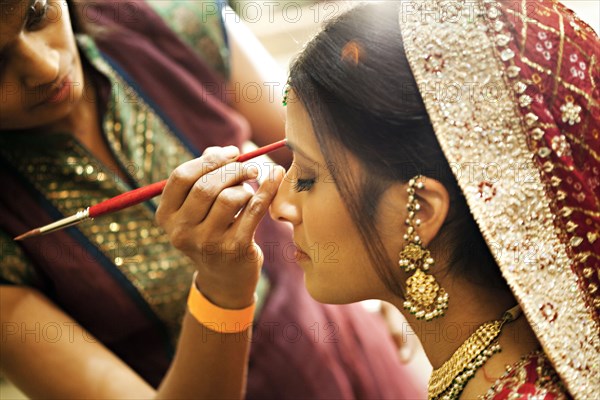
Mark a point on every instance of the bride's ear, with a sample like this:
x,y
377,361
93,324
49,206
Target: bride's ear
x,y
434,201
435,204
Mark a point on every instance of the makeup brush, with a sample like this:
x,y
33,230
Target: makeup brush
x,y
130,198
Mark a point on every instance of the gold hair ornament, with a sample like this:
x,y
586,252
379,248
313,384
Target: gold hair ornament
x,y
286,93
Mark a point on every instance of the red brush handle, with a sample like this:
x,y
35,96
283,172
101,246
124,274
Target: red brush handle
x,y
263,150
142,194
128,199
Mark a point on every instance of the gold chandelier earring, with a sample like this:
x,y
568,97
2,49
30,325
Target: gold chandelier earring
x,y
425,299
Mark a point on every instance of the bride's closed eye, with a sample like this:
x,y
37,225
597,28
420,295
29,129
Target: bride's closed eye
x,y
303,185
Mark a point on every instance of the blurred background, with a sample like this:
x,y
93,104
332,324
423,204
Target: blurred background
x,y
284,26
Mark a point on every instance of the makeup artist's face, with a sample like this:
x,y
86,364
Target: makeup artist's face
x,y
333,257
41,78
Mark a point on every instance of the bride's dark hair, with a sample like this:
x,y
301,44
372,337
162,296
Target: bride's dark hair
x,y
355,82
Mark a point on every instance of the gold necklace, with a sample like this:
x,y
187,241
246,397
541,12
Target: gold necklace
x,y
448,381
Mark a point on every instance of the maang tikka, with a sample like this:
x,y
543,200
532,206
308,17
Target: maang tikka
x,y
424,296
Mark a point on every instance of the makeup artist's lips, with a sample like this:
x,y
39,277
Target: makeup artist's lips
x,y
62,92
59,92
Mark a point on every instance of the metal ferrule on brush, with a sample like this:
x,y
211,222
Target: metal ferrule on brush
x,y
66,222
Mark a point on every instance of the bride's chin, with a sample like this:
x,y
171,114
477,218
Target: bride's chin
x,y
325,294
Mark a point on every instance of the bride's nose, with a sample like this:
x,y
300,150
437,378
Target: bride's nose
x,y
285,205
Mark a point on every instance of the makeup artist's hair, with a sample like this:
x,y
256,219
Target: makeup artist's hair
x,y
355,82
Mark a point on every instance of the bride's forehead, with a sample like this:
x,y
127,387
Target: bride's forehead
x,y
297,118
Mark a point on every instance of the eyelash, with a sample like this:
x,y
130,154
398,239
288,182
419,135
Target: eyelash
x,y
36,15
303,185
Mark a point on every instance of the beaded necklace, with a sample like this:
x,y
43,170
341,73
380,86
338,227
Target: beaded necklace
x,y
448,381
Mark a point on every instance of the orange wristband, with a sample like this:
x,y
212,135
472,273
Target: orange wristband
x,y
215,318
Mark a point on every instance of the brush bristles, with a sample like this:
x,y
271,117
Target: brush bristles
x,y
31,233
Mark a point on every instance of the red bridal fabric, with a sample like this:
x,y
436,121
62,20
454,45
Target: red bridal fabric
x,y
531,378
532,121
558,55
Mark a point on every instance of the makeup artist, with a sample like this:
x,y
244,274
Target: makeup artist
x,y
96,311
476,214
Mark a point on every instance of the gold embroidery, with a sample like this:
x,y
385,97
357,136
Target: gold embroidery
x,y
593,102
582,256
561,37
590,73
524,28
526,19
462,44
516,375
584,146
586,212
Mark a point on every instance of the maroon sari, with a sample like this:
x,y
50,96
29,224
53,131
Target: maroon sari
x,y
301,349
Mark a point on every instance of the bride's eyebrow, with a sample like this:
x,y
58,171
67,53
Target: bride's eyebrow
x,y
296,150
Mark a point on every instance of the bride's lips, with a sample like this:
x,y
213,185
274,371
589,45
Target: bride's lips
x,y
300,255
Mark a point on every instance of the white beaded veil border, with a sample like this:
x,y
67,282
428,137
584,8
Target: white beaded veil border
x,y
487,118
